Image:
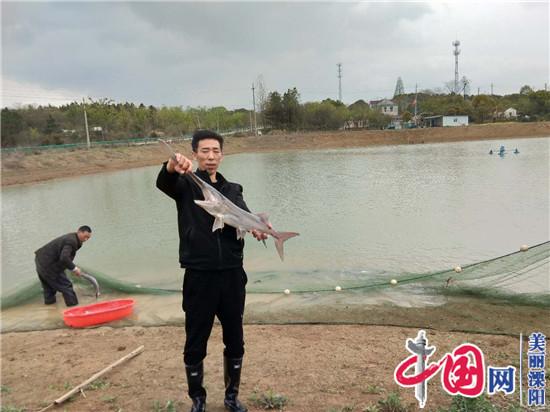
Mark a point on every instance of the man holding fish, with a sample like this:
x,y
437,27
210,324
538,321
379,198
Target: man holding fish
x,y
212,221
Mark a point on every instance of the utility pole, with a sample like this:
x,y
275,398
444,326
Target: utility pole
x,y
478,91
545,87
415,102
254,111
491,89
86,124
339,65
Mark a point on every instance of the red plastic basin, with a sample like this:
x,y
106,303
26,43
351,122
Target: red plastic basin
x,y
98,313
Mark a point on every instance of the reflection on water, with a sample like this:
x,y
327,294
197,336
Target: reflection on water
x,y
382,211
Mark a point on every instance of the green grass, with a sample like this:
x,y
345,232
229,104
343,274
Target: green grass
x,y
392,403
99,384
11,408
268,400
170,406
5,389
109,399
463,404
373,390
346,408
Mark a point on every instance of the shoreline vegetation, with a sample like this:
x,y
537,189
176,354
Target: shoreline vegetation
x,y
24,168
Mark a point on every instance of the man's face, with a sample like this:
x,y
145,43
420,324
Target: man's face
x,y
209,155
83,236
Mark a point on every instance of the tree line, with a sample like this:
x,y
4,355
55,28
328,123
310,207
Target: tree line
x,y
44,125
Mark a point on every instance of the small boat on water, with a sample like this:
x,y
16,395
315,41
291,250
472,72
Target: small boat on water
x,y
98,313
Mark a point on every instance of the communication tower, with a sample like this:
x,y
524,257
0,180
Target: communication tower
x,y
456,52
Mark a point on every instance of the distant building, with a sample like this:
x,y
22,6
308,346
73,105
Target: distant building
x,y
396,124
97,129
510,113
386,106
356,124
445,121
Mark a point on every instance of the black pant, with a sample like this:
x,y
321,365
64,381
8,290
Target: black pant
x,y
213,293
52,283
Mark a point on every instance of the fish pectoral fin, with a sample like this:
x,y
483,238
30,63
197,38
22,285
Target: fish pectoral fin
x,y
204,203
241,233
218,223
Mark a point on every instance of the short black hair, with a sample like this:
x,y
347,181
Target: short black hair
x,y
85,228
205,134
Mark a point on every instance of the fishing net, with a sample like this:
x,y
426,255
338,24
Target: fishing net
x,y
518,278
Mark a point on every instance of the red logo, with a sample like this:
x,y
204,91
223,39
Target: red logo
x,y
463,370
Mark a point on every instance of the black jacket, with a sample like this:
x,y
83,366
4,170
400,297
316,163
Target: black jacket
x,y
58,255
200,248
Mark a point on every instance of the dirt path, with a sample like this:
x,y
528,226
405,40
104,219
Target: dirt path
x,y
20,168
317,367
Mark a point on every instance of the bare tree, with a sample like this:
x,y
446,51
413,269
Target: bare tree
x,y
463,86
261,97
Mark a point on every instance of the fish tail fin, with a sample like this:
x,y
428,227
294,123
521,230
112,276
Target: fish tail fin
x,y
280,238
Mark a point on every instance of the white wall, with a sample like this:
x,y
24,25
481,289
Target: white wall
x,y
455,121
390,110
511,112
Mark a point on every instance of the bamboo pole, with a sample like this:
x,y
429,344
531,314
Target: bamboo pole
x,y
93,378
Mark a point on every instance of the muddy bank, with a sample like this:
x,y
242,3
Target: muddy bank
x,y
316,367
20,168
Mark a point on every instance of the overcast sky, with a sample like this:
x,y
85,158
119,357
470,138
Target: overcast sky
x,y
209,54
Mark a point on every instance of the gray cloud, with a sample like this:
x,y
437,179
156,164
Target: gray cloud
x,y
210,53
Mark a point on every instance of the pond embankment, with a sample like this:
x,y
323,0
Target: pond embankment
x,y
21,168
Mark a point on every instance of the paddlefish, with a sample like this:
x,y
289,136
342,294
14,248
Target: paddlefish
x,y
227,212
93,281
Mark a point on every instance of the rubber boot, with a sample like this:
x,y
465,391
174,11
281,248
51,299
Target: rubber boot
x,y
197,393
232,377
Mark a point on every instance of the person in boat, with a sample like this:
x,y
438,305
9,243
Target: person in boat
x,y
214,280
53,259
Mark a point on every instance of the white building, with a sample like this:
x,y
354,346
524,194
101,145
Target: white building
x,y
455,121
510,113
445,121
386,107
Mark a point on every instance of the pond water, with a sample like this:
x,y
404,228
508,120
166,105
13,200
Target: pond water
x,y
361,213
